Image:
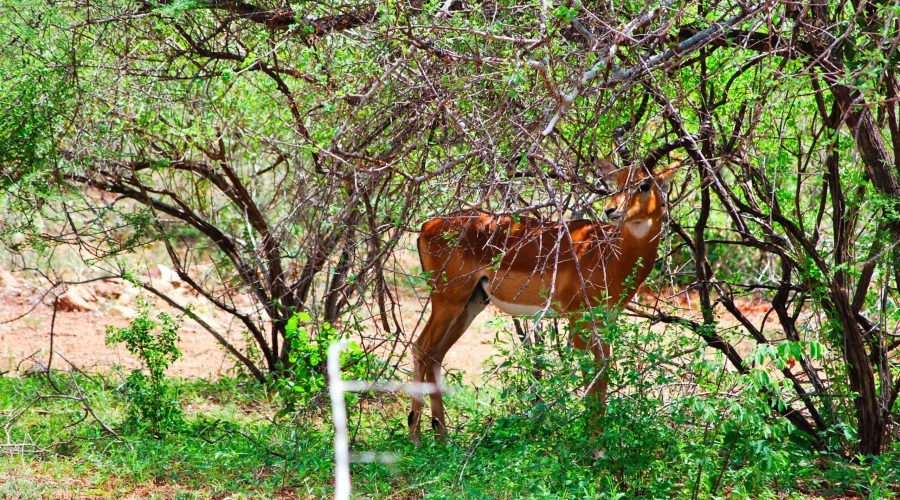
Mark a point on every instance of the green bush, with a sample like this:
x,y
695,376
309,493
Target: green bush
x,y
154,403
677,421
305,376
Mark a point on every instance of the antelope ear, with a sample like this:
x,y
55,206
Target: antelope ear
x,y
606,167
665,176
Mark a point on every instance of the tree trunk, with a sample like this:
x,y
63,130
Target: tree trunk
x,y
870,426
854,112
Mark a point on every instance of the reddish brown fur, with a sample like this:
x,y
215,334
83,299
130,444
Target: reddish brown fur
x,y
567,267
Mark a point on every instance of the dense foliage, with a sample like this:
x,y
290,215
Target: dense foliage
x,y
507,445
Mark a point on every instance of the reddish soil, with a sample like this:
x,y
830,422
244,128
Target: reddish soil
x,y
79,335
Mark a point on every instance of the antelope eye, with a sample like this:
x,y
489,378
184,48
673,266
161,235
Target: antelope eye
x,y
644,187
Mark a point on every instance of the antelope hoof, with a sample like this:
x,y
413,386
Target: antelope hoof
x,y
414,434
439,428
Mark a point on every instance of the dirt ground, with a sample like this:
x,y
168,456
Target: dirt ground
x,y
79,336
79,331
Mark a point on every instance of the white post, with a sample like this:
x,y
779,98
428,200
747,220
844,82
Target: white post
x,y
337,386
339,414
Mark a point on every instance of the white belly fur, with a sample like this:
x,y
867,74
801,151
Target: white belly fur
x,y
516,309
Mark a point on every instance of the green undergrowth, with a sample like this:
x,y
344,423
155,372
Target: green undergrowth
x,y
233,441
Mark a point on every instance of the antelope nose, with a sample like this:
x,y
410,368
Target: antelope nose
x,y
610,211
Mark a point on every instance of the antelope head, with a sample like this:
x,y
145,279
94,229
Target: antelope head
x,y
640,197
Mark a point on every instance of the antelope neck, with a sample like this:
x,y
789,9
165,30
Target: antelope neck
x,y
640,239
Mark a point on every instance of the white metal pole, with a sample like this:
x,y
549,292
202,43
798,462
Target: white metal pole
x,y
339,414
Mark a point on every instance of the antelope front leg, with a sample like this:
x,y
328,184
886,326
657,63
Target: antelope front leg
x,y
434,337
599,386
585,337
457,327
438,414
414,419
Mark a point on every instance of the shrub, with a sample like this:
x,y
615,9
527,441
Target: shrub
x,y
305,376
677,421
154,403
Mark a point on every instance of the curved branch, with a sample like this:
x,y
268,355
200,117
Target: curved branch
x,y
286,17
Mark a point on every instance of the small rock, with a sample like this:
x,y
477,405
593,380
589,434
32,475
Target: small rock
x,y
163,272
78,298
164,278
127,297
109,289
120,311
7,280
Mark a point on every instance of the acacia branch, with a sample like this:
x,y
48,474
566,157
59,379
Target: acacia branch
x,y
187,311
281,18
